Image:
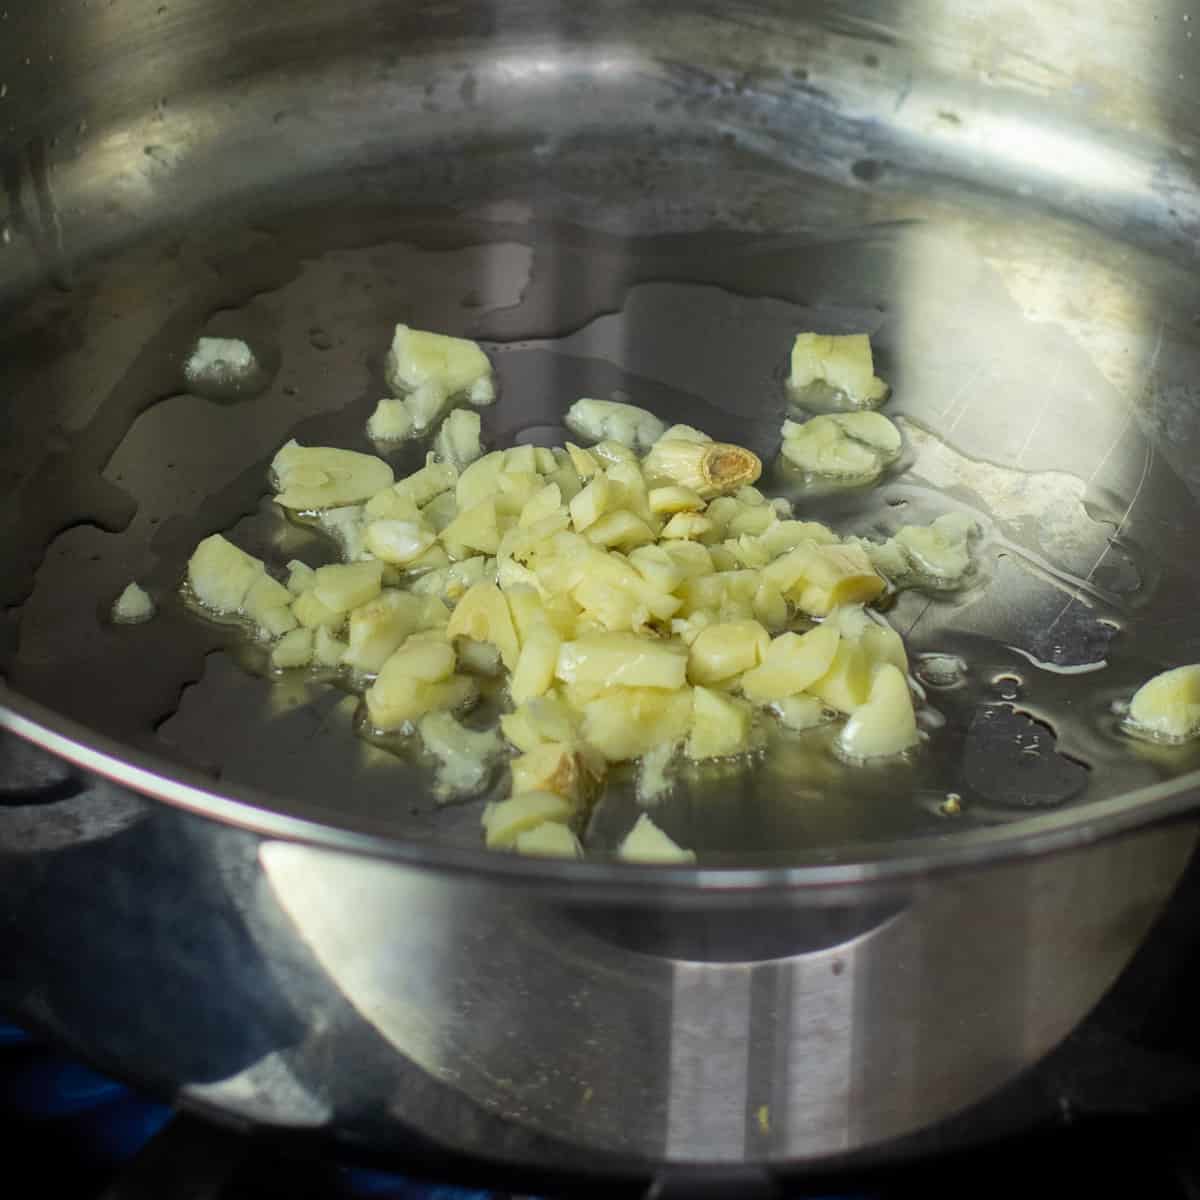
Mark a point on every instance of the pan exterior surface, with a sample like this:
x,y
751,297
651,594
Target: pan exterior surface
x,y
271,919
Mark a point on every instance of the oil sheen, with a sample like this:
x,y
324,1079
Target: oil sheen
x,y
1020,669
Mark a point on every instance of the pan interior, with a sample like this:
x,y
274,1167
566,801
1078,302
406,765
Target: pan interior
x,y
1039,333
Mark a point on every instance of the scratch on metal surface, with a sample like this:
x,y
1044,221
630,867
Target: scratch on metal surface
x,y
963,388
1129,409
967,395
917,619
1036,424
1146,466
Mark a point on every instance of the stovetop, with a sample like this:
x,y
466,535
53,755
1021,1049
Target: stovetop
x,y
83,1135
1116,1106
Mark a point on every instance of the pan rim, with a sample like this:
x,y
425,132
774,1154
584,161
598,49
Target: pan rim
x,y
900,862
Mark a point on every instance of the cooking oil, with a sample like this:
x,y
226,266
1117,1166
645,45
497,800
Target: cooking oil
x,y
1020,668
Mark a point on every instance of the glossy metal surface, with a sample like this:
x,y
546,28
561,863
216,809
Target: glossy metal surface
x,y
222,970
1007,196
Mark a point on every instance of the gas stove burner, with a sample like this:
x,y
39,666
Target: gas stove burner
x,y
89,1136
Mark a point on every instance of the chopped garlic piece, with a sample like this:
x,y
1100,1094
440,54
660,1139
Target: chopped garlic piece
x,y
434,479
294,649
452,583
132,606
686,526
328,650
646,843
622,659
392,421
888,558
1168,706
466,755
396,699
347,527
941,551
220,361
378,628
706,468
684,433
791,663
938,555
843,363
674,499
483,614
721,725
398,542
447,365
654,774
557,767
799,713
345,586
886,724
457,441
220,574
301,577
314,477
550,839
599,420
854,445
505,821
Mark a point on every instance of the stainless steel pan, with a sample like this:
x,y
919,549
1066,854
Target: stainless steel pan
x,y
276,921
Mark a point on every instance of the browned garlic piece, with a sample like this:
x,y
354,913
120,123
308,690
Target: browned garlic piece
x,y
708,468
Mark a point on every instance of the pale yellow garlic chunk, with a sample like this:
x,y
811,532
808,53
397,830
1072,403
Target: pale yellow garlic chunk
x,y
625,723
654,772
345,586
395,699
726,649
545,719
534,672
398,542
707,468
623,659
421,359
940,551
465,756
800,713
646,843
550,839
674,499
392,421
559,767
850,446
307,478
886,724
380,627
620,529
483,614
686,526
721,725
792,663
294,649
598,420
844,363
133,606
220,574
457,440
475,530
327,648
506,820
1168,706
